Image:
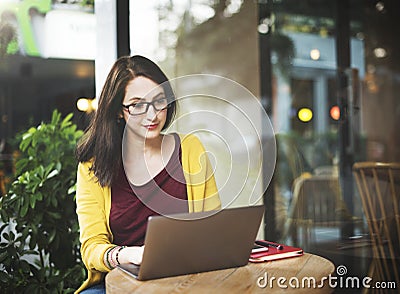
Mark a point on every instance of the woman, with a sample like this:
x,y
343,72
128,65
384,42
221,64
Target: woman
x,y
128,169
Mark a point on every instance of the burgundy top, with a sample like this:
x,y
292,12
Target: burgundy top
x,y
131,205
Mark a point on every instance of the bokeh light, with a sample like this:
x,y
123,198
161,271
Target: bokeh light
x,y
315,54
82,104
335,112
305,114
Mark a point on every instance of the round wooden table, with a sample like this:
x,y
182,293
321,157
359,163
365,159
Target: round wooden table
x,y
301,274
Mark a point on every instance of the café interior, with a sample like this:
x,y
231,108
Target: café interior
x,y
303,94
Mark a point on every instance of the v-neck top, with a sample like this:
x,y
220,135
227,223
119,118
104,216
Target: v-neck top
x,y
131,205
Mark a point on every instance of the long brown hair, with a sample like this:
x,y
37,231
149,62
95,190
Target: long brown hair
x,y
102,140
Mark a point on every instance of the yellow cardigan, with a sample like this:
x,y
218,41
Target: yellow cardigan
x,y
94,204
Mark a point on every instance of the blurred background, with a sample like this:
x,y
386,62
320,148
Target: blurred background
x,y
326,72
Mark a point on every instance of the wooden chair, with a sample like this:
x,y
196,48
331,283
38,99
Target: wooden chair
x,y
379,188
317,202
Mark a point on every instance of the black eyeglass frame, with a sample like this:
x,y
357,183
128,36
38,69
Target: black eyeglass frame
x,y
152,103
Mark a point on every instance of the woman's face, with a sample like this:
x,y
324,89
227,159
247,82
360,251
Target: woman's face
x,y
138,92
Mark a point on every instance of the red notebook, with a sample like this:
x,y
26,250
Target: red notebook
x,y
274,253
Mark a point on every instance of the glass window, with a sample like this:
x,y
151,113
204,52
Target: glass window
x,y
209,50
331,105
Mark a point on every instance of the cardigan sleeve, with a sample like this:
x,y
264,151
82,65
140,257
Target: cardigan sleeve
x,y
95,236
199,174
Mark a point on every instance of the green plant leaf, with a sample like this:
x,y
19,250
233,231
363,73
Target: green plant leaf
x,y
3,256
72,190
4,278
26,139
32,202
52,235
4,215
24,208
53,173
44,212
6,236
32,242
66,121
55,215
12,236
39,196
25,267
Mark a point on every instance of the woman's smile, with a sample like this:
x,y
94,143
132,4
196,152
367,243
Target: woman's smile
x,y
151,126
143,91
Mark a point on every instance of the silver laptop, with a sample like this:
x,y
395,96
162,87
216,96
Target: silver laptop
x,y
197,242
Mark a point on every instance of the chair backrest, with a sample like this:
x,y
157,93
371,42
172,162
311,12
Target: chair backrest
x,y
379,188
317,199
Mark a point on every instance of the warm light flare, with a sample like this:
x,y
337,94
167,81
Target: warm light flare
x,y
315,54
305,114
82,104
86,104
94,103
335,112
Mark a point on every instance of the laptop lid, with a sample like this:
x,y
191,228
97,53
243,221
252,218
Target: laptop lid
x,y
197,242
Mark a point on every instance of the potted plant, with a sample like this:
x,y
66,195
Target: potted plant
x,y
39,248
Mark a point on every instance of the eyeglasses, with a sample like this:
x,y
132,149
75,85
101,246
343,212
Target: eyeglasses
x,y
142,107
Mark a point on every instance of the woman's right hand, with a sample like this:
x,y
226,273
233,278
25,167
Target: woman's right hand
x,y
131,254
